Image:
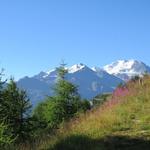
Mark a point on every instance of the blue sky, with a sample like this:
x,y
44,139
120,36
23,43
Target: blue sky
x,y
36,35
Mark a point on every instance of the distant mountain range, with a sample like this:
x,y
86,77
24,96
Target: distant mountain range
x,y
90,81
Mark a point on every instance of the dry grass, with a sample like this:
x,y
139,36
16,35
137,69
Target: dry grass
x,y
121,122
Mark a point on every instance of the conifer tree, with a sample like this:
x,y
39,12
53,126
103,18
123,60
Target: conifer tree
x,y
63,105
17,105
66,93
3,107
6,137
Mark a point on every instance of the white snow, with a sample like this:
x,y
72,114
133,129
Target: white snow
x,y
123,69
71,69
50,71
129,67
76,67
119,66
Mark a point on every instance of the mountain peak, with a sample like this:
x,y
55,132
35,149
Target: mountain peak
x,y
126,68
76,68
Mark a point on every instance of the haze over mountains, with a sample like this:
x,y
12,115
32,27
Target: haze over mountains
x,y
90,81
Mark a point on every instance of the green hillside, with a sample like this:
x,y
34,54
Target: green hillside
x,y
121,123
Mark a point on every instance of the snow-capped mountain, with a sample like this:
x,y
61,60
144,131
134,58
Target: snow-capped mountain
x,y
76,68
90,82
127,69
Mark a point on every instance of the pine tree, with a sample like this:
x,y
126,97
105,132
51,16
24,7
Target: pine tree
x,y
66,93
63,105
17,105
3,108
6,137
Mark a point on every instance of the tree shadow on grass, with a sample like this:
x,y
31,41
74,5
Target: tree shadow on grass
x,y
109,143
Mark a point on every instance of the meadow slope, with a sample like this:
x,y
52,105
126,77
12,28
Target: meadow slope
x,y
121,123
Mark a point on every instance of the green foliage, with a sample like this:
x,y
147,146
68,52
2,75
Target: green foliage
x,y
16,123
63,105
6,137
83,106
61,71
49,113
100,99
15,110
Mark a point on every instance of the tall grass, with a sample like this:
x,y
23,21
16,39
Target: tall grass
x,y
121,122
